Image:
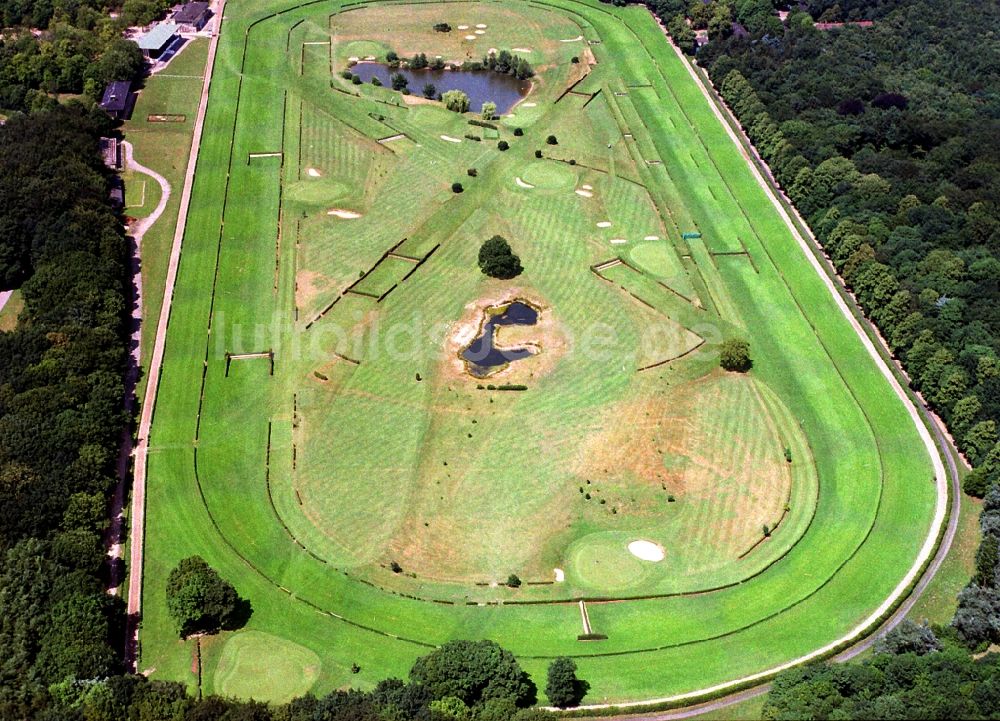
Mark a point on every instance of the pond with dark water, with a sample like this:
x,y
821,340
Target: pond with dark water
x,y
481,86
482,355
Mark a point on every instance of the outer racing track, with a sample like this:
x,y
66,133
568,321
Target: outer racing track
x,y
300,452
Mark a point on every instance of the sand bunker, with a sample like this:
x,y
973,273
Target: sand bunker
x,y
521,50
480,32
481,26
604,224
345,214
470,37
450,139
587,187
584,193
463,27
618,241
313,173
529,105
560,576
572,40
652,237
522,184
646,550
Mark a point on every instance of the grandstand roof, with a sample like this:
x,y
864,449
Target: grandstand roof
x,y
158,37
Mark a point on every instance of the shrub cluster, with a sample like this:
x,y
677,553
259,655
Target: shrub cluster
x,y
508,64
734,355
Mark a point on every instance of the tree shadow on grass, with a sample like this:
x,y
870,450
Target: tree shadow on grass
x,y
242,611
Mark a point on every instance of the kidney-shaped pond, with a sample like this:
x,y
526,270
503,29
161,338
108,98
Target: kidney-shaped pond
x,y
481,86
482,356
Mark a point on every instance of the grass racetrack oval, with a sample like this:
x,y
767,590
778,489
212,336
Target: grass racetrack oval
x,y
232,435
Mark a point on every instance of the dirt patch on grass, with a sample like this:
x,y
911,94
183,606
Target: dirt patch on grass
x,y
577,72
412,99
633,444
309,286
412,32
710,443
547,337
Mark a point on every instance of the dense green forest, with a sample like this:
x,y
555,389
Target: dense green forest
x,y
917,672
61,379
886,139
61,412
912,683
66,47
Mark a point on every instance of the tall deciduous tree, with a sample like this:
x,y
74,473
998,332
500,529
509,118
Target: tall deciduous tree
x,y
497,260
562,686
474,672
199,600
681,33
987,561
456,101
